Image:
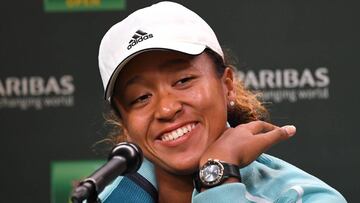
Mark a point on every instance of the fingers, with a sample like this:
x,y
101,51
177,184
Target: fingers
x,y
290,129
257,127
268,139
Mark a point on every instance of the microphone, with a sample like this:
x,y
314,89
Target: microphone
x,y
124,158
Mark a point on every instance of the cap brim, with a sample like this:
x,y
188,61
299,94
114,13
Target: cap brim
x,y
183,47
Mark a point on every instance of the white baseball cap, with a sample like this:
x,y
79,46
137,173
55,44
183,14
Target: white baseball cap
x,y
165,25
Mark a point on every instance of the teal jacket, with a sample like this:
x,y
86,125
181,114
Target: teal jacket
x,y
267,179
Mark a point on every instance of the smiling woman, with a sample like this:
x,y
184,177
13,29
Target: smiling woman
x,y
175,96
246,107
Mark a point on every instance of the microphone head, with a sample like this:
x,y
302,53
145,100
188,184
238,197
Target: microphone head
x,y
132,154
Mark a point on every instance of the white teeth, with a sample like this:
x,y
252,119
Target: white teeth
x,y
188,127
173,135
179,131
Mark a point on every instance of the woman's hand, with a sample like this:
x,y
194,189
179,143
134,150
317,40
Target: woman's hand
x,y
244,143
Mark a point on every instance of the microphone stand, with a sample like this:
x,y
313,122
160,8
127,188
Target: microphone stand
x,y
124,158
86,191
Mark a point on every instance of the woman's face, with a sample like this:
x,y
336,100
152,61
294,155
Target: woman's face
x,y
173,106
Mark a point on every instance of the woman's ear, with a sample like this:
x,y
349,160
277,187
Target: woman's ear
x,y
229,85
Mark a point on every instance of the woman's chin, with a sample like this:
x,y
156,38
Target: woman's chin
x,y
188,170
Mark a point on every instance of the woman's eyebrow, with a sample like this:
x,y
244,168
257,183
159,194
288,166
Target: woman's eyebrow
x,y
132,81
166,64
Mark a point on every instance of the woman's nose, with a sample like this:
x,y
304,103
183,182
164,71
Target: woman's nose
x,y
168,107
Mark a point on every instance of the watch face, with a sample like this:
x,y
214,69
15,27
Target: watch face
x,y
211,173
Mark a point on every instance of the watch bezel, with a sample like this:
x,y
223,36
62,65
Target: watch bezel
x,y
219,177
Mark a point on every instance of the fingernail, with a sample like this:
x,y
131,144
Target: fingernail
x,y
290,129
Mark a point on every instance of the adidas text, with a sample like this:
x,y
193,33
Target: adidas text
x,y
133,42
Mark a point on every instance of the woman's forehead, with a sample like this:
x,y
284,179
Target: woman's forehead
x,y
160,58
153,62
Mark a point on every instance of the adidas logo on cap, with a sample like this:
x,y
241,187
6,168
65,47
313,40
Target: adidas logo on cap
x,y
139,36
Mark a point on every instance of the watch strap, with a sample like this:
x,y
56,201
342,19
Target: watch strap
x,y
231,170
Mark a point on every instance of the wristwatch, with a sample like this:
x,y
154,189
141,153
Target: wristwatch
x,y
213,173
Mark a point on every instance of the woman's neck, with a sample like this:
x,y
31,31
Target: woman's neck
x,y
173,188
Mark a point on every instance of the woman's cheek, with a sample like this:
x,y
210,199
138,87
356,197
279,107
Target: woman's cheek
x,y
137,125
198,97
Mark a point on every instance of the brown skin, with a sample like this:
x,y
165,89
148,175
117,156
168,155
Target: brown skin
x,y
160,91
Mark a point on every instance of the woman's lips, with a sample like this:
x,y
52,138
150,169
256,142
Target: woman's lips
x,y
177,135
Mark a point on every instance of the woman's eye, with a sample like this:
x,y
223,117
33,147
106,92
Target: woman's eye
x,y
141,99
184,80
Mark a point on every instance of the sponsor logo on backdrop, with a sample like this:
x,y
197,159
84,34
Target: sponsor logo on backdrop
x,y
36,92
83,5
291,85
